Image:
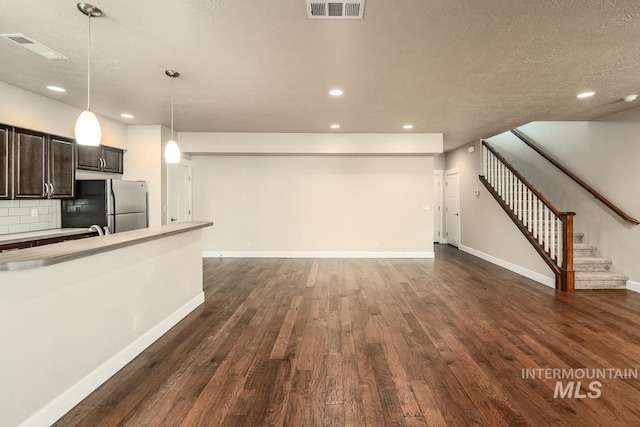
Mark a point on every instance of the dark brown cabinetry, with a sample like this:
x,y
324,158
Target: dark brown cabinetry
x,y
43,166
5,162
103,159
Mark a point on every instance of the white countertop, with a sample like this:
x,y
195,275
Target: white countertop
x,y
42,256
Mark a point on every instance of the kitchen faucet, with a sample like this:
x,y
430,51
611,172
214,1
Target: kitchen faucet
x,y
97,228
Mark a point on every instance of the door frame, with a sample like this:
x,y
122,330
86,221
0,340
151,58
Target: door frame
x,y
453,171
438,215
188,164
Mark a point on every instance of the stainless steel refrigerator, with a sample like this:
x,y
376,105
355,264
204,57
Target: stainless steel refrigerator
x,y
115,204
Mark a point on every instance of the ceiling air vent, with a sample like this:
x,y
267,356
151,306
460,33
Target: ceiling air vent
x,y
33,46
353,9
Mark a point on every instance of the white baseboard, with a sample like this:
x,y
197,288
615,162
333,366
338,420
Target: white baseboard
x,y
540,278
633,286
304,254
59,406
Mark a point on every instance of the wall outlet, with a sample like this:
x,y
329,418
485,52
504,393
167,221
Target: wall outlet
x,y
34,212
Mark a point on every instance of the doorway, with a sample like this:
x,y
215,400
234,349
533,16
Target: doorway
x,y
452,210
179,192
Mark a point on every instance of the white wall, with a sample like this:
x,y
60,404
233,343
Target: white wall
x,y
310,143
144,161
605,154
32,111
315,205
67,328
485,229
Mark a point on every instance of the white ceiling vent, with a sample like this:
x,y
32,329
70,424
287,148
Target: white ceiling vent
x,y
33,46
352,9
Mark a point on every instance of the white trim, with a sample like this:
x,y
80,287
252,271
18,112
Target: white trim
x,y
633,286
439,200
308,254
530,274
59,406
454,171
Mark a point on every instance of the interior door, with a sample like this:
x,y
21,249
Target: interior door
x,y
452,189
178,193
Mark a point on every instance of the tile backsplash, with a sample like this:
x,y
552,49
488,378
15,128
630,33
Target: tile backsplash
x,y
19,216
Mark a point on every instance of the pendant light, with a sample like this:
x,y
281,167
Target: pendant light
x,y
172,151
87,127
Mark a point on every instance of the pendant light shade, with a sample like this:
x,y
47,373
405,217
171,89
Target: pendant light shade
x,y
88,130
172,150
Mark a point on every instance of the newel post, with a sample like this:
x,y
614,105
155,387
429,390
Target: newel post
x,y
568,275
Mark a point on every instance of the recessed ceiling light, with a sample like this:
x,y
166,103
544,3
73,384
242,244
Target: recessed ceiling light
x,y
630,98
407,127
585,94
335,92
335,126
56,89
126,116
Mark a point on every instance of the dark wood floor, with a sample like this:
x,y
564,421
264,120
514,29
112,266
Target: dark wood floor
x,y
303,342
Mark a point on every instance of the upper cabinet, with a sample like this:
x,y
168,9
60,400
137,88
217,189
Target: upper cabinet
x,y
62,174
5,162
103,159
43,166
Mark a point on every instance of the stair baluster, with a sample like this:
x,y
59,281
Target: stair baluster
x,y
547,229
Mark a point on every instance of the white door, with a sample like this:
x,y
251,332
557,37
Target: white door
x,y
452,190
178,193
438,232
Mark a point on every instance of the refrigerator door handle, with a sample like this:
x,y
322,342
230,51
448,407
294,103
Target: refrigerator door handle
x,y
113,204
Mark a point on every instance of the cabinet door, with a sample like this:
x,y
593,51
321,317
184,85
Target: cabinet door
x,y
88,158
29,170
62,167
5,162
112,160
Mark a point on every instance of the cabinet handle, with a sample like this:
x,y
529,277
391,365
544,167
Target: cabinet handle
x,y
51,190
46,189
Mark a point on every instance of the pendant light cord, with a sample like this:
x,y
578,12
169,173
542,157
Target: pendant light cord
x,y
172,108
89,68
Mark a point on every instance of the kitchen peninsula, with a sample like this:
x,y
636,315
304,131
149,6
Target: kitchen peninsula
x,y
76,312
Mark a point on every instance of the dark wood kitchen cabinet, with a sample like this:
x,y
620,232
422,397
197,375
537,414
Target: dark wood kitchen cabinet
x,y
5,162
102,159
43,166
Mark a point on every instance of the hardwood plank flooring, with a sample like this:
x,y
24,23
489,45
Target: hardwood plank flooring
x,y
378,342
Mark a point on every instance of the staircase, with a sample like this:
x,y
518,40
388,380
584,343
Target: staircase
x,y
593,272
549,230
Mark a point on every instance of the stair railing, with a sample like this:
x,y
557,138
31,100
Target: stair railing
x,y
547,229
571,175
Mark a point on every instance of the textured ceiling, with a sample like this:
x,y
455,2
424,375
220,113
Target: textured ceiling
x,y
466,68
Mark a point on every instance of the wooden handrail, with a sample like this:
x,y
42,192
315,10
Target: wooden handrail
x,y
571,175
